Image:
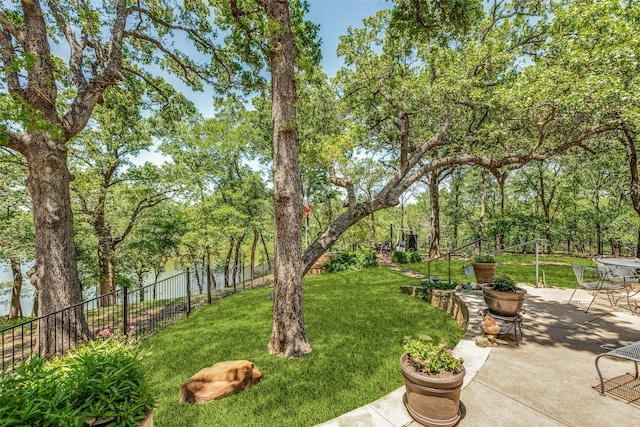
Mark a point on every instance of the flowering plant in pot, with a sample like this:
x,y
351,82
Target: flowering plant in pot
x,y
503,297
433,378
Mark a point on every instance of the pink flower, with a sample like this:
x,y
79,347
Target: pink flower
x,y
442,346
104,333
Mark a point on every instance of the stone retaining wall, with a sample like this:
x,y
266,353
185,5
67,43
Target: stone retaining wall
x,y
446,300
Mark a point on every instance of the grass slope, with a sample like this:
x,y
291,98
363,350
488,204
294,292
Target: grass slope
x,y
355,321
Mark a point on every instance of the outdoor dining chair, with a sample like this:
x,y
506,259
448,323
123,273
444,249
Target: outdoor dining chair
x,y
622,278
594,280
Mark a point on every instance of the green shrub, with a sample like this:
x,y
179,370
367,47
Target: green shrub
x,y
341,261
404,257
366,258
414,256
102,380
427,286
345,261
399,257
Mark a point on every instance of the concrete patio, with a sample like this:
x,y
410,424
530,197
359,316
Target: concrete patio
x,y
547,380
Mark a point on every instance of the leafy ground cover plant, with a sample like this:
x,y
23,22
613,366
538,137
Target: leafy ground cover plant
x,y
426,286
504,283
103,382
484,259
430,357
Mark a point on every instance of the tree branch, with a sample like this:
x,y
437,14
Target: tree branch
x,y
77,49
8,57
8,26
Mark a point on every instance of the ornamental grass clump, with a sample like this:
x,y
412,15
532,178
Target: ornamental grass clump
x,y
431,358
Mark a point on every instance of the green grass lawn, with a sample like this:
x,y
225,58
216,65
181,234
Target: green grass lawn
x,y
557,270
356,322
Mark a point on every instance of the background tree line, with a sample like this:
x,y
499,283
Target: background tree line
x,y
508,92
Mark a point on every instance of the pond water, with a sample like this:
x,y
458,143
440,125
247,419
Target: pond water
x,y
28,291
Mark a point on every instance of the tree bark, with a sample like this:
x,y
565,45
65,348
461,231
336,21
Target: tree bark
x,y
372,231
31,274
106,256
483,204
15,311
500,237
266,251
228,262
254,247
236,260
434,219
56,265
288,335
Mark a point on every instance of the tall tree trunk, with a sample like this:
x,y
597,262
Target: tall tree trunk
x,y
456,208
106,257
372,234
15,311
141,285
254,247
483,204
599,244
500,237
31,274
288,335
236,260
228,262
266,251
434,219
56,266
547,230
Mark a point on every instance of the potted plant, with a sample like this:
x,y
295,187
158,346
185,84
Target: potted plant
x,y
433,378
503,297
484,268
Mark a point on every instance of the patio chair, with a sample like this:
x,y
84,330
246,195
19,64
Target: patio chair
x,y
624,279
591,279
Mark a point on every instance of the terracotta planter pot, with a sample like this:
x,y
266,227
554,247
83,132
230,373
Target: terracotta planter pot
x,y
485,272
432,401
503,303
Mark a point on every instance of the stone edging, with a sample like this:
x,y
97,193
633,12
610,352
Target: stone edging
x,y
446,300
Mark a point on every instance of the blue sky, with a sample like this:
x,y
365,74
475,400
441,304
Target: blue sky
x,y
334,17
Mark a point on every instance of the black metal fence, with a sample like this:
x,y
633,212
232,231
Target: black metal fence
x,y
140,312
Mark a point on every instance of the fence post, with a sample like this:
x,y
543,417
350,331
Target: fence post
x,y
209,282
125,310
188,292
